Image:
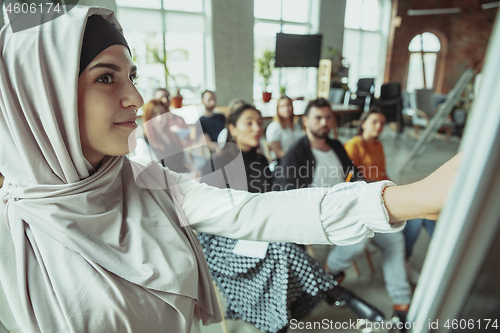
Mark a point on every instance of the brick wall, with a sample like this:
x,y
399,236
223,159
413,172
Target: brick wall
x,y
464,37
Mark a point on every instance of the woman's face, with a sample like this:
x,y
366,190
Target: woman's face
x,y
373,126
248,130
107,104
285,108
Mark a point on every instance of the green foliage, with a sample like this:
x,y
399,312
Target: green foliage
x,y
283,90
265,65
162,60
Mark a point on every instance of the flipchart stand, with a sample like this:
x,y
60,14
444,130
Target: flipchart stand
x,y
438,120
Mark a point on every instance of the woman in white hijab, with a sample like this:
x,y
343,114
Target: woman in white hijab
x,y
86,244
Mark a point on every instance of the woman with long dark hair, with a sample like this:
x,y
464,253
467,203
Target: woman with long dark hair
x,y
367,154
365,149
286,283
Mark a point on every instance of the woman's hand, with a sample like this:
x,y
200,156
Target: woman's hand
x,y
425,198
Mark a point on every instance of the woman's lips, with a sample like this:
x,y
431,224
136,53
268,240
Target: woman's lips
x,y
130,124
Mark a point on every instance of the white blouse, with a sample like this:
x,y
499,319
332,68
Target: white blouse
x,y
343,214
286,136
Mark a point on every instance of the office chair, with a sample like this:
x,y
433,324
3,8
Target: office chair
x,y
364,94
391,104
362,98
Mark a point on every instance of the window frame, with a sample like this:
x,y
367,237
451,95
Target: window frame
x,y
383,32
306,73
437,82
163,12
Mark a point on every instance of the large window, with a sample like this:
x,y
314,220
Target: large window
x,y
287,16
365,39
423,58
177,31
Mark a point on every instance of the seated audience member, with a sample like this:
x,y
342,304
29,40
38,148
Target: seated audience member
x,y
222,138
367,154
411,233
365,149
315,160
160,143
211,123
233,105
327,164
283,132
287,283
412,230
163,95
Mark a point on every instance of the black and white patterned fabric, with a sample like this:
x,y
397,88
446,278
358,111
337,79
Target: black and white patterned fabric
x,y
286,284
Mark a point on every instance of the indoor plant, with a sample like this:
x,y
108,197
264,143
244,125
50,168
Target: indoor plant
x,y
177,98
265,66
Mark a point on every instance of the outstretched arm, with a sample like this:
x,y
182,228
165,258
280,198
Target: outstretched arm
x,y
343,214
422,199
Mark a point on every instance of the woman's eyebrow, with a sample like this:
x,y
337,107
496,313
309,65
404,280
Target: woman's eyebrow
x,y
113,67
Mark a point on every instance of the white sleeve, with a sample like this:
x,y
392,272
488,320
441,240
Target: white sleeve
x,y
343,214
351,212
273,132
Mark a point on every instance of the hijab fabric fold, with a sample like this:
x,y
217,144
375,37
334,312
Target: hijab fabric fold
x,y
89,250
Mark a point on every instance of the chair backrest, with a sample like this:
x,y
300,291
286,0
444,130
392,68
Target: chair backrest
x,y
391,90
424,100
366,85
336,95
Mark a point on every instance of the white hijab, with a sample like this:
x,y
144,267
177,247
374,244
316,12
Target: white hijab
x,y
82,241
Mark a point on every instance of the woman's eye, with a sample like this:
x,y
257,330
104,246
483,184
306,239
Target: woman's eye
x,y
105,78
134,78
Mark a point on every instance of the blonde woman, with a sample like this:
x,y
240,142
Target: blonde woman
x,y
283,132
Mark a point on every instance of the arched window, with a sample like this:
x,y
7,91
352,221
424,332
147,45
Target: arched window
x,y
424,50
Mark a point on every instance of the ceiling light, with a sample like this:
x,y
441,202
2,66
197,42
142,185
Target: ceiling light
x,y
490,5
439,11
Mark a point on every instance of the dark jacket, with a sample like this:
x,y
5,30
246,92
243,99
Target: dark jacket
x,y
296,169
258,179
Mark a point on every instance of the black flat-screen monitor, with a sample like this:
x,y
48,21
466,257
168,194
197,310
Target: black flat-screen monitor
x,y
297,50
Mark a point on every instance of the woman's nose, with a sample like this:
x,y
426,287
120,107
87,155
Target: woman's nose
x,y
132,97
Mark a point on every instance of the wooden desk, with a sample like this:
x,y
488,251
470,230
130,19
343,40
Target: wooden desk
x,y
341,110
